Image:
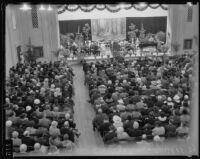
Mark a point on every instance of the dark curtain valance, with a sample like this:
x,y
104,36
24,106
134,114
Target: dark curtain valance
x,y
110,7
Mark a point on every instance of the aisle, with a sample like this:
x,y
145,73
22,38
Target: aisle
x,y
84,114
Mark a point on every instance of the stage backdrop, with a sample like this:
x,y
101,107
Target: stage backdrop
x,y
151,24
114,28
71,26
108,29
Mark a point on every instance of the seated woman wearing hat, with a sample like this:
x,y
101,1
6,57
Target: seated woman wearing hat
x,y
16,141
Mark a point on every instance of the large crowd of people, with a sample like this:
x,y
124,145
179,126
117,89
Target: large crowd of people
x,y
134,100
39,108
143,99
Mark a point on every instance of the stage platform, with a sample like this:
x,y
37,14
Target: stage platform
x,y
93,58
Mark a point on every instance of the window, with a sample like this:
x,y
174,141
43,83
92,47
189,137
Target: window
x,y
34,16
187,44
38,51
189,14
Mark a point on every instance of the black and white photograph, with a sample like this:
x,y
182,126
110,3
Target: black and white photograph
x,y
115,79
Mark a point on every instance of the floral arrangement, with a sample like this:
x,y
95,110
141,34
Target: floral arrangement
x,y
66,40
86,31
161,36
132,32
176,47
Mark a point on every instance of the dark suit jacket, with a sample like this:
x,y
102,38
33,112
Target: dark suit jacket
x,y
68,131
28,141
104,127
134,132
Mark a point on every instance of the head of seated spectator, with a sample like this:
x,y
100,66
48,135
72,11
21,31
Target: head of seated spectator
x,y
117,121
37,147
135,125
159,129
23,148
53,130
157,139
15,138
121,134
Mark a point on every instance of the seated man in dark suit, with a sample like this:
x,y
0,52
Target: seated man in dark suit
x,y
26,139
110,135
128,123
67,130
104,127
135,131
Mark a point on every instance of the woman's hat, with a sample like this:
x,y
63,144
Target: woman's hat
x,y
54,123
176,99
120,130
135,125
37,146
156,138
23,148
120,101
36,101
8,123
169,99
116,118
15,134
67,116
186,97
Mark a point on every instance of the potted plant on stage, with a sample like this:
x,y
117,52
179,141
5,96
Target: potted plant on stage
x,y
161,36
66,40
132,33
175,47
57,52
164,49
86,32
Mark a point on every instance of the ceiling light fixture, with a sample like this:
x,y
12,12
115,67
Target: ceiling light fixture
x,y
41,7
25,7
49,8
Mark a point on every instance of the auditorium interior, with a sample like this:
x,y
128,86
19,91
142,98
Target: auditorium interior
x,y
101,79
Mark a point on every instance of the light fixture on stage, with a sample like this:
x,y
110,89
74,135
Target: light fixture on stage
x,y
25,7
49,8
41,7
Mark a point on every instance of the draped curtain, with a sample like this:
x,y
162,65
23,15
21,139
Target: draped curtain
x,y
110,7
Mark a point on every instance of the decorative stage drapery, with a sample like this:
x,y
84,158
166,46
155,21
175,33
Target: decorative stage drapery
x,y
108,29
114,28
109,7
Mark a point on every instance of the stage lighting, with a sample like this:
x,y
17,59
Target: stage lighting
x,y
25,7
41,7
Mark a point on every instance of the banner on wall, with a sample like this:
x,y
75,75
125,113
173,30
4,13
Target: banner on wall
x,y
108,29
